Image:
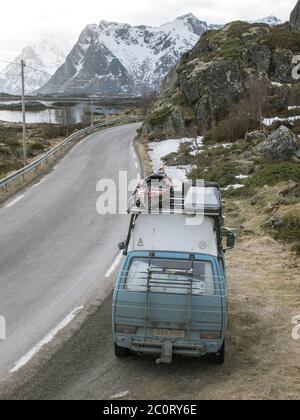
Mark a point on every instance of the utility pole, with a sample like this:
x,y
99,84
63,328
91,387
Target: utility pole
x,y
92,107
24,114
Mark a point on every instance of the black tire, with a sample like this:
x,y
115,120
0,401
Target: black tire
x,y
219,358
121,352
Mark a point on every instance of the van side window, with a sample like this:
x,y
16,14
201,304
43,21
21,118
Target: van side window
x,y
171,276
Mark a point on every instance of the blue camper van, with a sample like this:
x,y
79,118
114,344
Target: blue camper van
x,y
171,293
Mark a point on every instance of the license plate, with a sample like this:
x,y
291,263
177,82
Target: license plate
x,y
169,333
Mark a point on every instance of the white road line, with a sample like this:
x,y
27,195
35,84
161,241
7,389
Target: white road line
x,y
114,266
138,176
11,203
35,350
136,164
39,183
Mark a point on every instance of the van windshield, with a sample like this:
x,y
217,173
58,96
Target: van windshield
x,y
171,276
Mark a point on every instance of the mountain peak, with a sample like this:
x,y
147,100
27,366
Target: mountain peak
x,y
269,20
45,56
187,16
104,24
120,59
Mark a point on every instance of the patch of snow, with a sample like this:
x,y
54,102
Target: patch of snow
x,y
224,145
157,151
269,121
196,152
277,84
242,177
233,187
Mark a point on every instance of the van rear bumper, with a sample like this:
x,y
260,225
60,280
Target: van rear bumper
x,y
155,347
180,347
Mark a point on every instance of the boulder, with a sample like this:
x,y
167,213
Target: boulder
x,y
245,167
255,137
282,144
295,17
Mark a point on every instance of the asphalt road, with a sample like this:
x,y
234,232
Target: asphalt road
x,y
54,247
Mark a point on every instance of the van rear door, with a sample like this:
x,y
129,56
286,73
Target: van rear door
x,y
171,295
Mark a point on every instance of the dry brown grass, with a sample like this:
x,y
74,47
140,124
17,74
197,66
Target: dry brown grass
x,y
142,152
264,285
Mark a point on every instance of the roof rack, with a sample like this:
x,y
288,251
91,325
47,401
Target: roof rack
x,y
201,198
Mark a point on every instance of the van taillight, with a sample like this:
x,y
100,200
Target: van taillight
x,y
208,335
122,329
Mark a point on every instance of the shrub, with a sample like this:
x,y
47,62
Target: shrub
x,y
282,38
222,173
159,117
273,173
288,230
36,147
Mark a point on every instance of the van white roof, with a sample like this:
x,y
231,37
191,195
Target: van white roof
x,y
174,233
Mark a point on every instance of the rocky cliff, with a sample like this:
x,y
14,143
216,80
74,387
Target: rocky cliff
x,y
295,16
217,74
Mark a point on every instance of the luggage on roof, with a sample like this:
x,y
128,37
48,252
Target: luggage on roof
x,y
157,195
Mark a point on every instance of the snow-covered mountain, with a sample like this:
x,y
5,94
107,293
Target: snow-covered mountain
x,y
110,59
118,59
42,60
270,20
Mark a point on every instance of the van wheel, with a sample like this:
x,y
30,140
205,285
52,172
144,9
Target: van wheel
x,y
219,358
121,352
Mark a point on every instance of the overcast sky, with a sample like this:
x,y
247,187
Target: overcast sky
x,y
26,22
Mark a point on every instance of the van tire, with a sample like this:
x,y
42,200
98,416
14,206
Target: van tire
x,y
219,358
121,352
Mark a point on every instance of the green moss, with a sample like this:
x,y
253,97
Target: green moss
x,y
222,172
36,147
231,48
288,231
273,173
159,117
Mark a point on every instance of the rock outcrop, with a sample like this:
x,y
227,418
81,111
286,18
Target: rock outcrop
x,y
282,145
295,17
255,137
200,91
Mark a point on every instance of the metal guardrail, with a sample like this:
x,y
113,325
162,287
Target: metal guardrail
x,y
5,182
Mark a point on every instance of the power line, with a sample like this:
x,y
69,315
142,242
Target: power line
x,y
10,74
33,68
9,62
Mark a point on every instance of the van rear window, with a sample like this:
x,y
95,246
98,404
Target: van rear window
x,y
171,276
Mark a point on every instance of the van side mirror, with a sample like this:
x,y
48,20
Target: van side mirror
x,y
230,239
121,246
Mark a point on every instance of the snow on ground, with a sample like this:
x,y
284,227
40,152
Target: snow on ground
x,y
242,177
277,84
269,121
224,145
157,151
233,187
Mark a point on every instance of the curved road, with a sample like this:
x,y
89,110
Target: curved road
x,y
54,247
